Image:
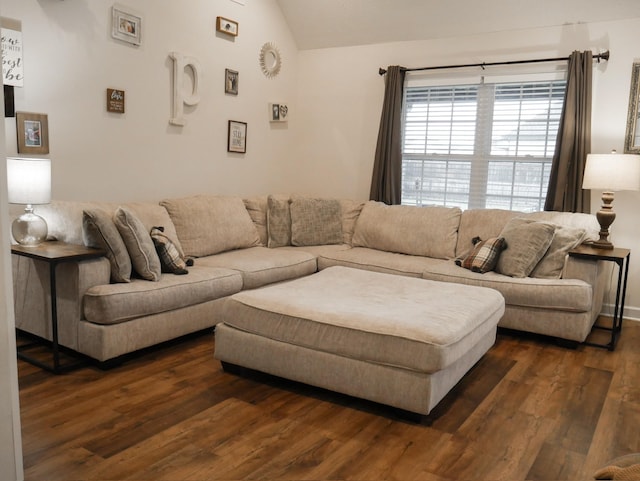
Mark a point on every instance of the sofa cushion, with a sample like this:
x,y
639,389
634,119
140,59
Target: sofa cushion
x,y
257,208
483,223
278,221
484,256
100,231
170,259
144,257
527,242
420,231
152,214
315,221
350,212
208,224
115,303
570,295
564,239
261,265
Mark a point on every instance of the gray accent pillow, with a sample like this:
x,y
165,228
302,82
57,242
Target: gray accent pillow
x,y
278,221
144,257
564,239
98,230
315,221
527,242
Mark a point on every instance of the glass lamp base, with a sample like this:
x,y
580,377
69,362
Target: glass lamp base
x,y
29,229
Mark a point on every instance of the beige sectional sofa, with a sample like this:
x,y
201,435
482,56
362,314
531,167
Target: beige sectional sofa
x,y
241,244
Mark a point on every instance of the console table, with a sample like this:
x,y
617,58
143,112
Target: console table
x,y
53,253
621,257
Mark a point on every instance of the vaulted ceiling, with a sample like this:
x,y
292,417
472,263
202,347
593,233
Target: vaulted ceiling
x,y
340,23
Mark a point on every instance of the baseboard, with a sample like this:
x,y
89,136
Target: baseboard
x,y
631,313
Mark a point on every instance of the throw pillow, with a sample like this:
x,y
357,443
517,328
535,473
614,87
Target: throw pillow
x,y
315,221
484,255
527,242
552,264
139,244
278,222
170,259
99,231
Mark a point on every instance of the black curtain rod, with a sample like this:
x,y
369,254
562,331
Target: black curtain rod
x,y
598,57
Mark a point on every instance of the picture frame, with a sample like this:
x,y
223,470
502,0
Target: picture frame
x,y
33,133
126,25
237,137
231,78
227,26
278,112
632,136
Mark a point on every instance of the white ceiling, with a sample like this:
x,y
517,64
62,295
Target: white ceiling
x,y
340,23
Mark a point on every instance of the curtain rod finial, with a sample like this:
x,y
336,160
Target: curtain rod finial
x,y
382,71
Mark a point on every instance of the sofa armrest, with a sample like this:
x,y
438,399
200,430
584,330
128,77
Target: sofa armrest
x,y
593,272
31,294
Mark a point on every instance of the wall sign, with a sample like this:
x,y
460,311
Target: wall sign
x,y
115,101
12,62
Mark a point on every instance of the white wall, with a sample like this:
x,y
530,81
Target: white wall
x,y
340,98
71,59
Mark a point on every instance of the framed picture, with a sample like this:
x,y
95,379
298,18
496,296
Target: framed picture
x,y
230,82
126,25
224,25
278,112
33,133
237,141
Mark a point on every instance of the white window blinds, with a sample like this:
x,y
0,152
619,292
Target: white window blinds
x,y
488,145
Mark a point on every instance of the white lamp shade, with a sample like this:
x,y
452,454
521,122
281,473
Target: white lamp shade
x,y
28,180
612,172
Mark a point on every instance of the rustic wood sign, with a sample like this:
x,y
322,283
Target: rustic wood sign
x,y
115,101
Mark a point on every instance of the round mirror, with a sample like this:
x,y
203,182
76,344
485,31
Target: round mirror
x,y
270,61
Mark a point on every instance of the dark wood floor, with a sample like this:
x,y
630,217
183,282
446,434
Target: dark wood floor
x,y
529,410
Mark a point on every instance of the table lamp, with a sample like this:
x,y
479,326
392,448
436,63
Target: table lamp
x,y
610,172
29,183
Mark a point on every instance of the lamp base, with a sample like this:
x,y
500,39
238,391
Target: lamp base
x,y
29,229
605,217
601,244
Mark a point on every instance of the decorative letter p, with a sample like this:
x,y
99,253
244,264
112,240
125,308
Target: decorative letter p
x,y
180,63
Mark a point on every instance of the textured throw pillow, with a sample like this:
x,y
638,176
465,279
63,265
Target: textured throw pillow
x,y
278,222
527,242
139,244
99,231
170,259
484,255
564,239
315,221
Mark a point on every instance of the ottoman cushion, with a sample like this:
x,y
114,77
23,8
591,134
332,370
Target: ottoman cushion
x,y
380,318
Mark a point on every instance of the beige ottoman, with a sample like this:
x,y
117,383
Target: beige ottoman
x,y
395,340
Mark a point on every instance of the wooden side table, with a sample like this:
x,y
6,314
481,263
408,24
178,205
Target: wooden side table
x,y
621,257
53,253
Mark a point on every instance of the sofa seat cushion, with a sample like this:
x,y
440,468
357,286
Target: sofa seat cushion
x,y
379,318
556,294
379,261
115,303
318,251
261,265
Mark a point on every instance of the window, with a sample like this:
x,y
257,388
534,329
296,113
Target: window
x,y
488,145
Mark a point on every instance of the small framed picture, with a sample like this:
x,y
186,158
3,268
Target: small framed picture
x,y
278,112
126,25
224,25
230,82
237,141
33,133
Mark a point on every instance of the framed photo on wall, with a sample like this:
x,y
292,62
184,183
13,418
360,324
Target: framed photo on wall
x,y
224,25
126,25
231,78
33,133
237,139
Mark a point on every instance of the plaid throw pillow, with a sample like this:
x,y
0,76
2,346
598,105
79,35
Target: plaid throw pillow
x,y
170,259
484,255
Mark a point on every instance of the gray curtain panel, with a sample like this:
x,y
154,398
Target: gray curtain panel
x,y
574,140
386,182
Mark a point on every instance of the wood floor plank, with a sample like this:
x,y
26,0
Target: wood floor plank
x,y
529,410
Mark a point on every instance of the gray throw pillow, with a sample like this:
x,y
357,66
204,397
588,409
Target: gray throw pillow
x,y
99,231
144,257
564,239
315,221
527,242
278,221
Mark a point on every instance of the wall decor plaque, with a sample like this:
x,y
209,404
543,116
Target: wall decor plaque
x,y
115,101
